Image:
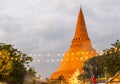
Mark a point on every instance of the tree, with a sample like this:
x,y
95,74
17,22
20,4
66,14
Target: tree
x,y
112,58
5,64
94,67
13,64
108,62
30,76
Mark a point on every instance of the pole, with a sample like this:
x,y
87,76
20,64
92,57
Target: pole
x,y
105,73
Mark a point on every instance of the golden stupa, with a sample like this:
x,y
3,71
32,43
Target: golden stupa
x,y
80,50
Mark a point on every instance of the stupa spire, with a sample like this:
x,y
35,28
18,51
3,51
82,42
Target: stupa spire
x,y
81,35
81,31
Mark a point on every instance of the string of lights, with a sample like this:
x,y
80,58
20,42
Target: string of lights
x,y
53,57
50,57
62,54
58,60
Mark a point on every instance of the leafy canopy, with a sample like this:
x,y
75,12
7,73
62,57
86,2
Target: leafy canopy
x,y
12,64
108,62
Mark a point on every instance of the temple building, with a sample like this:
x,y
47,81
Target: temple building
x,y
80,50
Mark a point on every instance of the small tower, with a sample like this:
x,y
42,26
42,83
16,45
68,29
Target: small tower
x,y
80,50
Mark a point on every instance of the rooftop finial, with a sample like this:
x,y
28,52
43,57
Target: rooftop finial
x,y
80,5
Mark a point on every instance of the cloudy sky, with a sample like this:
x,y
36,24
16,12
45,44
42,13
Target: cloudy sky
x,y
48,26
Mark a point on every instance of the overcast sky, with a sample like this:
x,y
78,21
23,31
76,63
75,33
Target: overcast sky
x,y
35,26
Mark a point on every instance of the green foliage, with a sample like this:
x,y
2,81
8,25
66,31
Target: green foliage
x,y
94,66
5,63
12,64
109,61
113,58
31,71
